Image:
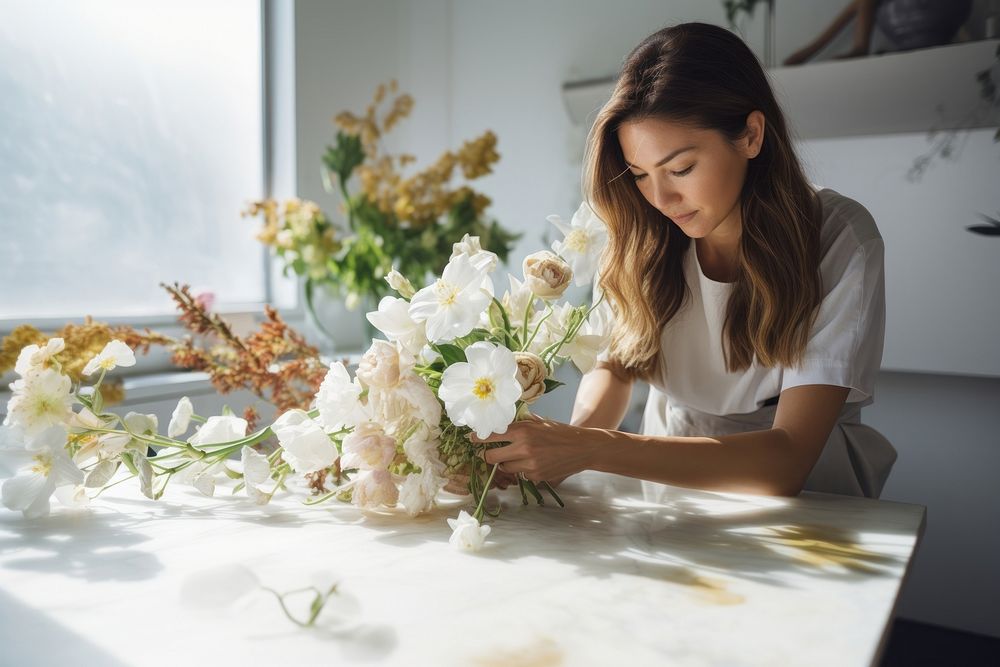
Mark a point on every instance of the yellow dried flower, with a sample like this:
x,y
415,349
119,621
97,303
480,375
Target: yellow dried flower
x,y
18,339
348,122
477,156
401,108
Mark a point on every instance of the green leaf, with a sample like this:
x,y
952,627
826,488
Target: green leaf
x,y
533,490
474,336
345,156
551,384
145,472
127,460
451,354
97,404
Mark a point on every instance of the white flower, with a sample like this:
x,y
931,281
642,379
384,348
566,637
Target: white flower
x,y
421,447
115,353
452,305
590,339
409,399
585,238
112,444
219,429
483,260
307,447
201,475
368,448
393,319
180,419
418,491
256,473
374,489
481,392
531,374
380,365
40,400
48,467
33,357
398,282
338,399
516,300
547,275
72,496
467,534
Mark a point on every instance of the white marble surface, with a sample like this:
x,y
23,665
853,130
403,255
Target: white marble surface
x,y
700,579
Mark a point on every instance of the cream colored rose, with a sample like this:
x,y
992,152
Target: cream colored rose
x,y
530,375
379,367
546,274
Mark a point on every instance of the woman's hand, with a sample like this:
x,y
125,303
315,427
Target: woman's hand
x,y
542,449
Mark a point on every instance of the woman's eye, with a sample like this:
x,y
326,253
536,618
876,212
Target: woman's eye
x,y
638,177
684,172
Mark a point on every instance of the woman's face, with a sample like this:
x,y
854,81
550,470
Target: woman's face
x,y
692,176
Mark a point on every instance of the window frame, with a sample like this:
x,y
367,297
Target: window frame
x,y
277,72
276,47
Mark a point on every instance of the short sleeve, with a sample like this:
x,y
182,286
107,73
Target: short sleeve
x,y
845,345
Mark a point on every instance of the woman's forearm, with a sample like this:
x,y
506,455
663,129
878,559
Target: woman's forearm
x,y
602,399
760,462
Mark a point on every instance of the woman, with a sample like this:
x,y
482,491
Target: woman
x,y
751,302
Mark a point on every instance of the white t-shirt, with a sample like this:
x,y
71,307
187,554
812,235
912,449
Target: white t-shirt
x,y
845,345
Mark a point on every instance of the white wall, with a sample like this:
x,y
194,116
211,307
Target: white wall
x,y
476,65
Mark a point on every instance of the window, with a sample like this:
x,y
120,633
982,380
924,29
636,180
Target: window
x,y
132,139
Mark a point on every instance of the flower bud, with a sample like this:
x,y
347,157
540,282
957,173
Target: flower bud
x,y
546,274
399,283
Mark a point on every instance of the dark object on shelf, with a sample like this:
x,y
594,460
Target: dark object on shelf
x,y
908,24
919,24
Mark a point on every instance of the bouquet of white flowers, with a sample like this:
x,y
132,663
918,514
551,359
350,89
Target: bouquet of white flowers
x,y
457,360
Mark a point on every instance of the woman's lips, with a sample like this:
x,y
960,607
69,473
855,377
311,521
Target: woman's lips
x,y
680,220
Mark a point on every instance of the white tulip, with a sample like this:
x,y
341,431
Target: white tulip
x,y
585,238
393,319
467,534
307,447
481,393
180,419
452,305
338,400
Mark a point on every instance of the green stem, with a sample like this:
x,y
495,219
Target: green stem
x,y
552,492
524,327
569,334
482,501
538,328
103,489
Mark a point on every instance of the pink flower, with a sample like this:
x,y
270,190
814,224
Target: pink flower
x,y
368,448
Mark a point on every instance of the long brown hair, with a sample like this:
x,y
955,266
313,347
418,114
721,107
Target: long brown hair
x,y
706,77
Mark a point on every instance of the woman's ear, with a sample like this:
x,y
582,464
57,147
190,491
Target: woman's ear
x,y
754,137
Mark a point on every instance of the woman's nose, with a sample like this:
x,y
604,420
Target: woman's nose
x,y
665,197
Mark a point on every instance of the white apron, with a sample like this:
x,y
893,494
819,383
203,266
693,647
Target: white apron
x,y
855,461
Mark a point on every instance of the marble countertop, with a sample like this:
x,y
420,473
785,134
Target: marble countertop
x,y
696,579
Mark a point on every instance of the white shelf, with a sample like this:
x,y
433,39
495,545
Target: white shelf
x,y
876,95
